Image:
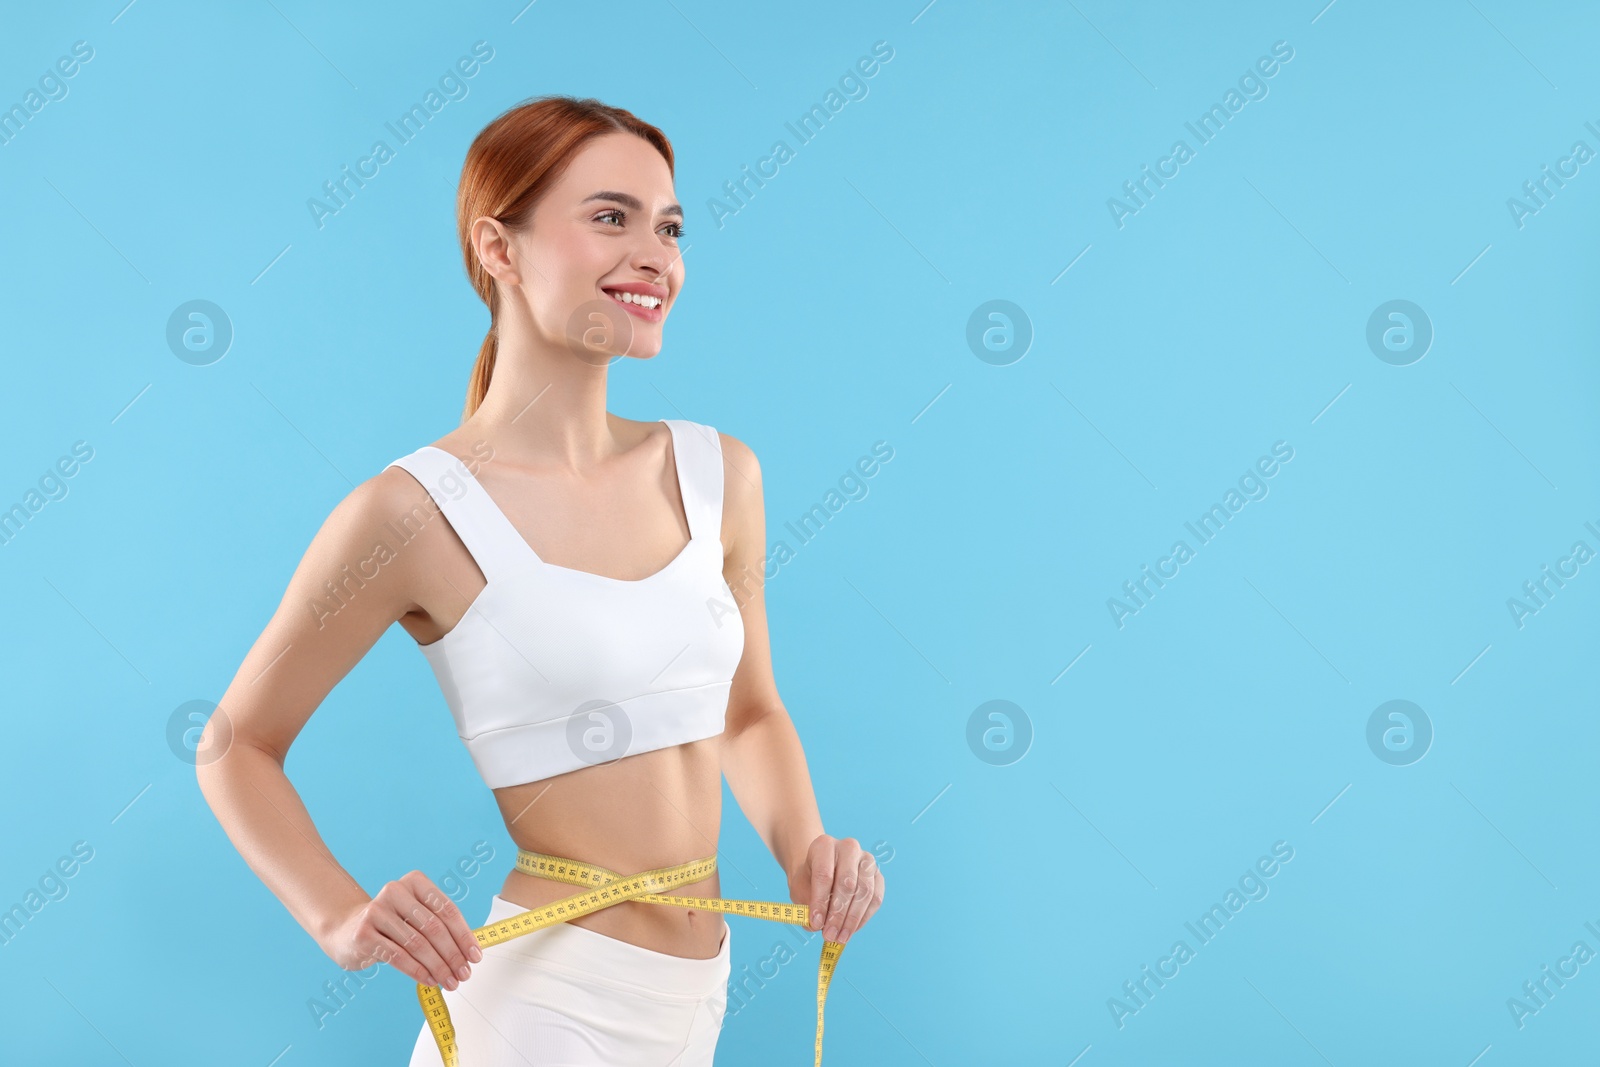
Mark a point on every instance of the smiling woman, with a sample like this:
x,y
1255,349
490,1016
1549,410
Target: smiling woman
x,y
574,607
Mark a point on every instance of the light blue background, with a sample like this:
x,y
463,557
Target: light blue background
x,y
830,313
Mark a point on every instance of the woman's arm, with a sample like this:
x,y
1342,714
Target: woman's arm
x,y
312,641
761,753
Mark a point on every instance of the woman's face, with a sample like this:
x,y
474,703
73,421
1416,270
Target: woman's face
x,y
610,225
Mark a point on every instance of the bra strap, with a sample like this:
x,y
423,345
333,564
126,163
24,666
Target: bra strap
x,y
699,452
494,543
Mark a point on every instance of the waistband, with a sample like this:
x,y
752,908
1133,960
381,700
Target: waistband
x,y
594,953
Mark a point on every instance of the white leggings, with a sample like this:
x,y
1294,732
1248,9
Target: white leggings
x,y
566,996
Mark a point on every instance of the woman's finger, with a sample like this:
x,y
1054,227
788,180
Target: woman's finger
x,y
401,960
457,931
877,898
866,888
415,945
854,884
821,879
845,882
412,925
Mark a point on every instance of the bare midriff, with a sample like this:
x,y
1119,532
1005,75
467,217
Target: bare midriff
x,y
648,810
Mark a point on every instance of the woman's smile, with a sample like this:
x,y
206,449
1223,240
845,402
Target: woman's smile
x,y
641,301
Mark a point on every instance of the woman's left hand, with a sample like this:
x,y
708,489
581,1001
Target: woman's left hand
x,y
842,885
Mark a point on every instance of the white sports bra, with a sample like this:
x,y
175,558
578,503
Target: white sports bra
x,y
553,669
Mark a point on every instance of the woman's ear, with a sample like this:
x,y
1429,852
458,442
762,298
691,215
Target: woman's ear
x,y
492,242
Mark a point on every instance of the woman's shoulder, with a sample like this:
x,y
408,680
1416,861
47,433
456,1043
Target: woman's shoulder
x,y
726,441
735,452
741,478
402,484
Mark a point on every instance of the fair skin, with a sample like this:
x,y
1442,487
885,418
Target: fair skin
x,y
589,491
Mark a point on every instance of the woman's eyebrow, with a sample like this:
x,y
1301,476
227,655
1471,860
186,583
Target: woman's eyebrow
x,y
633,203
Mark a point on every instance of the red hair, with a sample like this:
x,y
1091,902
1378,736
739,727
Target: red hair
x,y
511,164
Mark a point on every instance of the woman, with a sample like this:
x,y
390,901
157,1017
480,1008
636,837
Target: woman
x,y
577,604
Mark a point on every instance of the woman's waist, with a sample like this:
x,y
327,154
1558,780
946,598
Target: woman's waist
x,y
622,852
536,890
677,930
692,960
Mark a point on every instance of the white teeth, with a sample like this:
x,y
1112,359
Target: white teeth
x,y
635,298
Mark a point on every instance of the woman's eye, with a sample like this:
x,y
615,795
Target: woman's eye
x,y
621,216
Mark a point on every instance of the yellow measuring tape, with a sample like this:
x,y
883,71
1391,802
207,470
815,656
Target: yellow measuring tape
x,y
613,888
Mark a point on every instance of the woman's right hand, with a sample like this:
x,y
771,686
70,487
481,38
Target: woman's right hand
x,y
411,926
